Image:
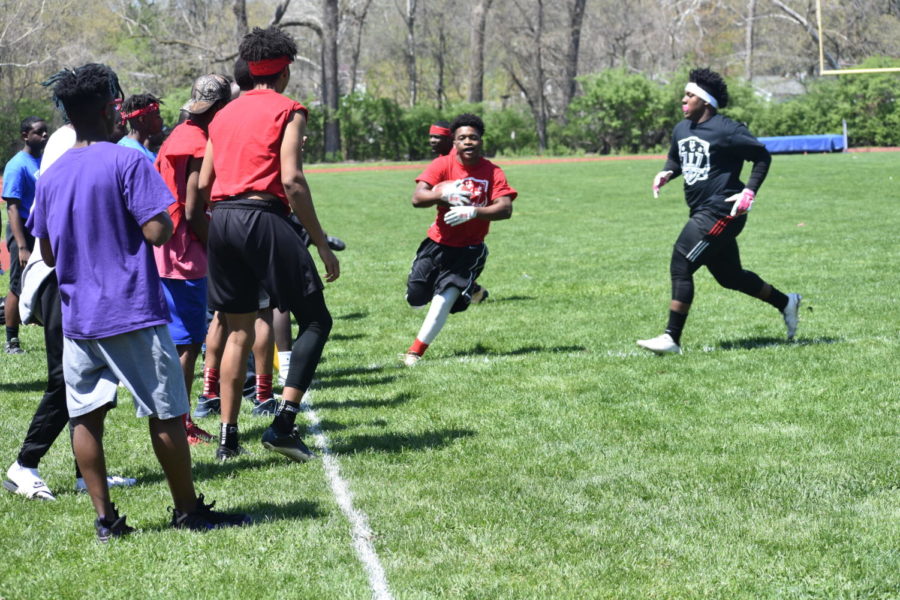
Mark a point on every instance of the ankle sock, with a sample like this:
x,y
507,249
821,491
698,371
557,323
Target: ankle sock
x,y
418,347
676,324
285,416
777,299
228,436
263,387
12,333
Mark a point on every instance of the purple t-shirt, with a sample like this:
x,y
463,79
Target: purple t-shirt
x,y
91,204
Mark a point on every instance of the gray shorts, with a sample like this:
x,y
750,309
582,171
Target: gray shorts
x,y
146,363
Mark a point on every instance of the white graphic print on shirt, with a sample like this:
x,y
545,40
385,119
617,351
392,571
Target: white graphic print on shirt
x,y
694,154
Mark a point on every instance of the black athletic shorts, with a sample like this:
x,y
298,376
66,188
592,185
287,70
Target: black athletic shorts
x,y
438,267
15,269
705,235
252,245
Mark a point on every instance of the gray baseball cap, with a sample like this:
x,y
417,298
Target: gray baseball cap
x,y
206,91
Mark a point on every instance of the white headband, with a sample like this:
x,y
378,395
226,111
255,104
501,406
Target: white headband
x,y
701,93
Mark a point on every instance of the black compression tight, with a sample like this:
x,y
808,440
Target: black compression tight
x,y
315,325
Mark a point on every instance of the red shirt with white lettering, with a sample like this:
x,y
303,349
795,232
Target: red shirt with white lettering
x,y
484,179
246,137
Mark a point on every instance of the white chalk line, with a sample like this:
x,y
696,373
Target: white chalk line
x,y
360,531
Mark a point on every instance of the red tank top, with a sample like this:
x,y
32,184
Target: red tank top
x,y
246,139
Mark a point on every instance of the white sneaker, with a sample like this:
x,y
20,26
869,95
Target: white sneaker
x,y
27,482
661,344
111,481
792,314
410,359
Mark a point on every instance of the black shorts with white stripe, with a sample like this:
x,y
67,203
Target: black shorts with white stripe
x,y
705,235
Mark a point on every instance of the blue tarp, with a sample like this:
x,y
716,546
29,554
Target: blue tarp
x,y
803,143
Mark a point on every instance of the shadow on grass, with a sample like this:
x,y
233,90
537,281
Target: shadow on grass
x,y
773,342
355,316
340,382
263,512
24,386
480,350
325,373
399,442
494,299
338,337
369,403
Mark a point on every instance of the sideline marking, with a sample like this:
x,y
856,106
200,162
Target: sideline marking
x,y
359,524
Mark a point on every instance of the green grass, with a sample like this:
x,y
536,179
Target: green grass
x,y
534,452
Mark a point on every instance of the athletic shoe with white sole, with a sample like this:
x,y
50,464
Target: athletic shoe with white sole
x,y
410,359
204,518
661,344
288,444
224,453
112,526
207,405
479,295
792,314
111,481
27,482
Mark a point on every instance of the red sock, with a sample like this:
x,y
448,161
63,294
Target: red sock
x,y
418,347
263,387
210,382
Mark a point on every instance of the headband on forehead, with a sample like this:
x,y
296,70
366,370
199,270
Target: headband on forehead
x,y
268,66
701,93
153,107
438,130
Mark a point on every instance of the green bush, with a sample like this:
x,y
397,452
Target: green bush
x,y
11,117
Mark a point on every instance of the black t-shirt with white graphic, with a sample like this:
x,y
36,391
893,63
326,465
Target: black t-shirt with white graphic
x,y
710,156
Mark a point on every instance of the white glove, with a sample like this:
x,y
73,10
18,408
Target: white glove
x,y
455,195
743,202
459,215
661,179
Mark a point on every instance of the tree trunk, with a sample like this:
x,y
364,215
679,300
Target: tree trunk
x,y
410,18
541,116
576,18
240,15
748,40
330,23
476,49
360,19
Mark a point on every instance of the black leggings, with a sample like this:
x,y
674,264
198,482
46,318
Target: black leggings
x,y
315,324
712,242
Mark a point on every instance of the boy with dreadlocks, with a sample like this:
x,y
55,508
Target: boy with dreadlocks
x,y
141,112
113,310
253,171
710,150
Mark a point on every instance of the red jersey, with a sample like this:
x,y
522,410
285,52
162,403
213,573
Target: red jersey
x,y
246,137
485,180
183,256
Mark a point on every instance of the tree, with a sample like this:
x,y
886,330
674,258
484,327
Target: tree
x,y
476,49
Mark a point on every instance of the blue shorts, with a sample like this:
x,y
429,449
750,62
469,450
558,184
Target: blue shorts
x,y
187,305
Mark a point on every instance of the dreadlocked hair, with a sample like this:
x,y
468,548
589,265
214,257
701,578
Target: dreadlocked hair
x,y
467,120
138,101
713,83
87,86
263,44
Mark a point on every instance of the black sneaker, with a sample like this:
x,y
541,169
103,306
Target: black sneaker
x,y
207,405
112,526
288,444
13,347
224,453
204,518
266,408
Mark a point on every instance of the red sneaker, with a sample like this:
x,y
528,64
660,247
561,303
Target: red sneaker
x,y
195,435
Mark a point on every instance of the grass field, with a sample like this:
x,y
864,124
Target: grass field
x,y
535,453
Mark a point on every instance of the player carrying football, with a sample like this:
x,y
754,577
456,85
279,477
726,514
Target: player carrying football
x,y
473,193
709,150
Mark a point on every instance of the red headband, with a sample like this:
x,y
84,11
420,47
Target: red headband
x,y
141,111
438,130
269,66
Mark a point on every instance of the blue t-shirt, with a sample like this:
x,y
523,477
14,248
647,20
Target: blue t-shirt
x,y
19,178
91,204
133,143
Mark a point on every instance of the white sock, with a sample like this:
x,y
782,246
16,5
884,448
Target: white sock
x,y
284,365
437,315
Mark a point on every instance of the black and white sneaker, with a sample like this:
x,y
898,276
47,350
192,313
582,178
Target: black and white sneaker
x,y
112,526
266,408
224,453
288,444
204,518
207,405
